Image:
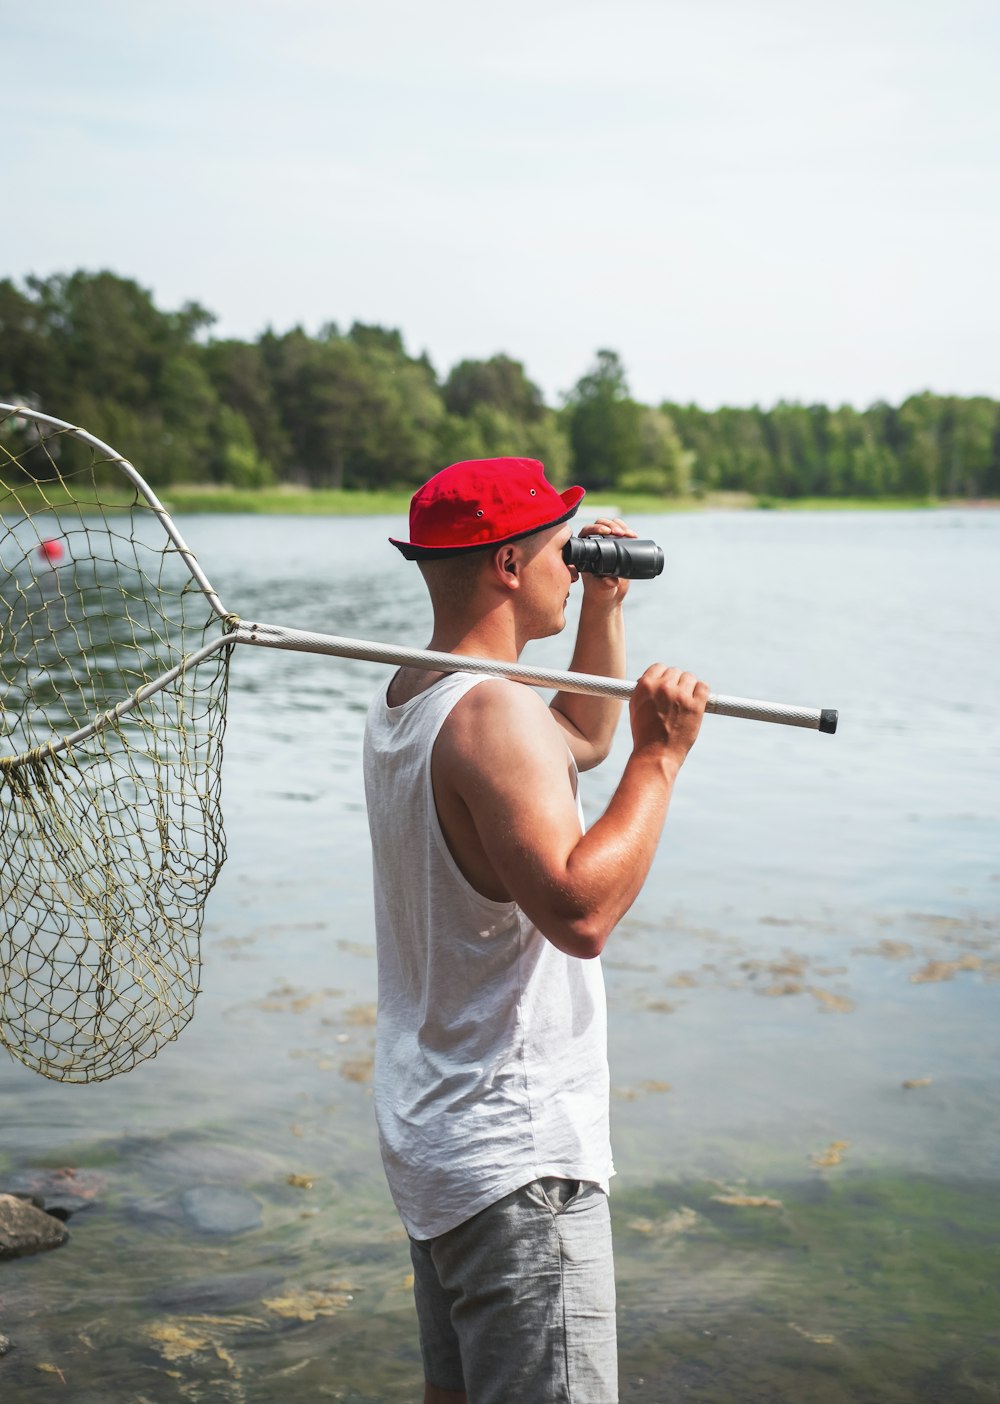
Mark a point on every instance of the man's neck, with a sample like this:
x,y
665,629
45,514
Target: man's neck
x,y
489,637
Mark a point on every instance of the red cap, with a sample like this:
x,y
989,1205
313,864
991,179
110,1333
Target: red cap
x,y
483,502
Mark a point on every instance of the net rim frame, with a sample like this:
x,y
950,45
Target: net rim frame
x,y
105,719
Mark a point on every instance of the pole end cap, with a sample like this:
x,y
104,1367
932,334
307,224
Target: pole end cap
x,y
828,720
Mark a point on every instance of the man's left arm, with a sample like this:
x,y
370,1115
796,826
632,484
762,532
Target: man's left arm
x,y
590,722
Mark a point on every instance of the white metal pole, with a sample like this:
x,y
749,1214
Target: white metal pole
x,y
303,641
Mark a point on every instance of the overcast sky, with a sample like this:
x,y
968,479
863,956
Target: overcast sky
x,y
747,199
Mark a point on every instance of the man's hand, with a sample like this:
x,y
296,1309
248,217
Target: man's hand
x,y
590,722
605,589
666,709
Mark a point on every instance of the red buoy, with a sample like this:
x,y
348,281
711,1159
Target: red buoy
x,y
51,550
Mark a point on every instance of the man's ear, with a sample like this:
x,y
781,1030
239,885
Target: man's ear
x,y
505,563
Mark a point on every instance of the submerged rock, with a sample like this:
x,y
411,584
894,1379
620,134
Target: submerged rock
x,y
217,1209
59,1192
162,1161
221,1209
216,1294
26,1229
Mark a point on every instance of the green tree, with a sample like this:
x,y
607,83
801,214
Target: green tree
x,y
602,423
500,383
244,384
109,336
750,465
919,421
103,355
789,431
325,397
546,440
663,465
488,432
26,361
970,446
236,459
406,411
356,410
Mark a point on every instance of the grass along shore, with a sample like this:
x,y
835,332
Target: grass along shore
x,y
360,503
187,498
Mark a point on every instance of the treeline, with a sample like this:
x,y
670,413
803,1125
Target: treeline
x,y
354,409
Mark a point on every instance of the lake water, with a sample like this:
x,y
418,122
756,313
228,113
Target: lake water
x,y
821,928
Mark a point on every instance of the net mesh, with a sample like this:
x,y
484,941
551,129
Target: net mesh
x,y
107,849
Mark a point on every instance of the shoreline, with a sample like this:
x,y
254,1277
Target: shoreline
x,y
194,498
361,503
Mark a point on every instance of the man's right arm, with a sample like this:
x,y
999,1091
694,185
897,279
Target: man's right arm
x,y
504,759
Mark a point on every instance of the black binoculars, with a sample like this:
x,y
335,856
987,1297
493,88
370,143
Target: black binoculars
x,y
614,555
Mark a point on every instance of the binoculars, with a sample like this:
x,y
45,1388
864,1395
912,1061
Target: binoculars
x,y
614,555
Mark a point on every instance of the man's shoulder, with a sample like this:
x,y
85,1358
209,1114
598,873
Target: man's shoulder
x,y
495,699
496,717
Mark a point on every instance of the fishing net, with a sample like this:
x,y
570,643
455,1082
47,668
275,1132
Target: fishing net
x,y
110,844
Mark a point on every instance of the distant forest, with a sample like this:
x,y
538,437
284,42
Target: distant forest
x,y
354,409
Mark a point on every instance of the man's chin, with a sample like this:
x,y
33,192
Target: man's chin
x,y
556,628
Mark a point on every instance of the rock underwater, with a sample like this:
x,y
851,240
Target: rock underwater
x,y
25,1229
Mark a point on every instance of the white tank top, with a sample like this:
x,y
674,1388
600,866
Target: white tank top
x,y
491,1062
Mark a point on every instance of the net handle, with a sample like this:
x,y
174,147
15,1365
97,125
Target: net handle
x,y
302,641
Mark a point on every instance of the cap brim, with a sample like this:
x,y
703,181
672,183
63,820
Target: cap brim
x,y
572,497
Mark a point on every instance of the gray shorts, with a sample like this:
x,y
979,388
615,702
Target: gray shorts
x,y
517,1305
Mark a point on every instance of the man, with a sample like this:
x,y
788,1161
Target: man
x,y
491,1075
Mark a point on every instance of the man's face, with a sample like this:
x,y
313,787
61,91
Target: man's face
x,y
545,582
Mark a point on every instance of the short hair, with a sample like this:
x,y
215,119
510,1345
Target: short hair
x,y
454,577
